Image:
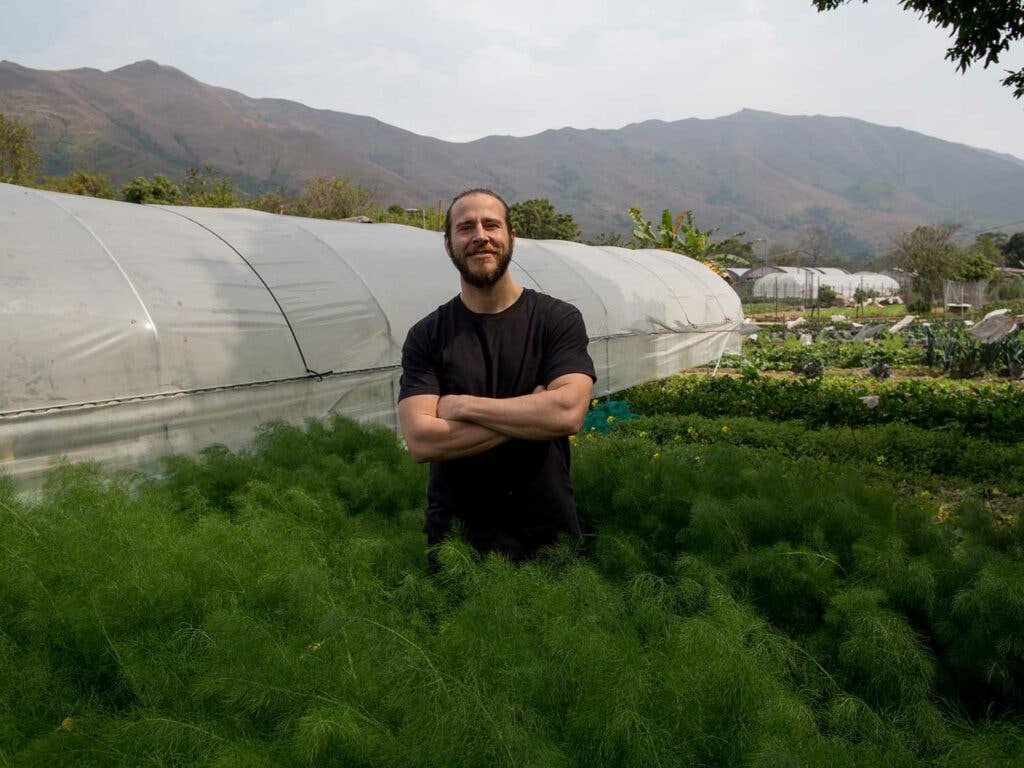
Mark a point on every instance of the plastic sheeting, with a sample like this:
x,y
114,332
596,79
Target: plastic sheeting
x,y
779,285
845,284
131,332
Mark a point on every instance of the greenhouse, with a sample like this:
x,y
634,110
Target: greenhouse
x,y
780,285
137,331
846,284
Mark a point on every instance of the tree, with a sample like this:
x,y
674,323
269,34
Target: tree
x,y
18,157
989,246
743,250
683,236
817,243
269,202
982,30
421,218
82,183
974,265
607,238
539,220
931,253
206,187
159,189
781,256
333,198
1013,250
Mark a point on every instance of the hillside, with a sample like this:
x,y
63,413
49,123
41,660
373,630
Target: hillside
x,y
760,172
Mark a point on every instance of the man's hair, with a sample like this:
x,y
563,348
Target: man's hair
x,y
475,191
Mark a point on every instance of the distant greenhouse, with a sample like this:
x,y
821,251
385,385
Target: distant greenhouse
x,y
779,285
132,331
846,284
775,282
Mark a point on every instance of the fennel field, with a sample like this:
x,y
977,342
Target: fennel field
x,y
748,593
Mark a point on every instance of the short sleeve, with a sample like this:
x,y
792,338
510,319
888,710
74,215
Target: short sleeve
x,y
565,346
419,372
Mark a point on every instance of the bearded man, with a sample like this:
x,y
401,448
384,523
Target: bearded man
x,y
493,383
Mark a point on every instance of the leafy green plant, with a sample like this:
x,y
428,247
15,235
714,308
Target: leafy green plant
x,y
962,355
992,410
683,236
158,189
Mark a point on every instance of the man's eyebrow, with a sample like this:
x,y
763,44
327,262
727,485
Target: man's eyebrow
x,y
485,219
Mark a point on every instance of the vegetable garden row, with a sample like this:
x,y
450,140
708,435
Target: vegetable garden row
x,y
949,349
834,589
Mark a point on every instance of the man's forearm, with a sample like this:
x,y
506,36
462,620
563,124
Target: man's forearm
x,y
540,416
443,439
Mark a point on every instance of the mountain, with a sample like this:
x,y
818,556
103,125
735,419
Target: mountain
x,y
767,174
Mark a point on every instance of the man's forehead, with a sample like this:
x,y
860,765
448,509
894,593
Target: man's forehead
x,y
478,206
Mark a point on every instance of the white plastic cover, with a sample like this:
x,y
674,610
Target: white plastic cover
x,y
130,332
780,285
847,285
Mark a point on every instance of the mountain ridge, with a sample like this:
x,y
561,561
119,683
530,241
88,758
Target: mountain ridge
x,y
767,174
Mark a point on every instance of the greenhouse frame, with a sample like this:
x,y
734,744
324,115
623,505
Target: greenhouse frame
x,y
132,332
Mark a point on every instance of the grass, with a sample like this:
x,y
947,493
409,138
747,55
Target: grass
x,y
732,604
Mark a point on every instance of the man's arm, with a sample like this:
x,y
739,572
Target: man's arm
x,y
431,438
555,412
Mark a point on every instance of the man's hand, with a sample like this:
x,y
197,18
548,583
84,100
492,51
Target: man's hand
x,y
451,406
448,407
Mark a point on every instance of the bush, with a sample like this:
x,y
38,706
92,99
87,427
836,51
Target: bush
x,y
827,296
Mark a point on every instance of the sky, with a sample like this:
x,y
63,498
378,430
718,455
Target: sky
x,y
462,70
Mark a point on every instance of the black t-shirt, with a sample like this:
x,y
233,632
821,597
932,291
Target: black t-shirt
x,y
518,495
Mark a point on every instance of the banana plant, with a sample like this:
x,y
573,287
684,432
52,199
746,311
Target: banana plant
x,y
682,235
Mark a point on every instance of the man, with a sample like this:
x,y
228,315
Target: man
x,y
493,383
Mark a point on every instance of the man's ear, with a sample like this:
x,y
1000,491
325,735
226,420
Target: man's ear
x,y
448,245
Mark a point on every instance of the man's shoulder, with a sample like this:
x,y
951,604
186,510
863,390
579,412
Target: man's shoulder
x,y
552,306
429,323
551,303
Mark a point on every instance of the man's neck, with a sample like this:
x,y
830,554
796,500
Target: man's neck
x,y
488,301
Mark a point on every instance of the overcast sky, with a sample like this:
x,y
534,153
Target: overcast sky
x,y
461,70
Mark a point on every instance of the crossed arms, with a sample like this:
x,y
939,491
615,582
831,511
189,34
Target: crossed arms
x,y
456,426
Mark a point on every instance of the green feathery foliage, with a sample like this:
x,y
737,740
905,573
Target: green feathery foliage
x,y
733,605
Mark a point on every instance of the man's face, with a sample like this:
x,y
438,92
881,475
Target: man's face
x,y
481,245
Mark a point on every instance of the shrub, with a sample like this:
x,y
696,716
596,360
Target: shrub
x,y
826,296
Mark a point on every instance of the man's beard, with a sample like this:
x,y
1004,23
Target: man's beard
x,y
502,258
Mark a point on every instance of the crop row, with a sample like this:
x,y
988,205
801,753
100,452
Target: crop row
x,y
994,411
786,354
947,348
903,449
